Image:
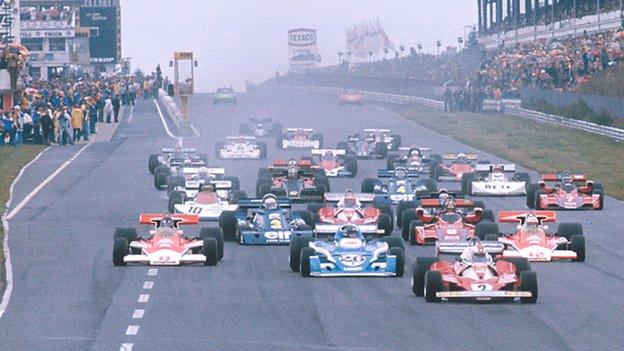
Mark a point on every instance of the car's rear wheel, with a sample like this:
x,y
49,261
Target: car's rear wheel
x,y
297,244
394,241
568,229
120,250
531,190
466,183
483,229
217,234
211,251
577,244
402,206
385,223
487,216
420,268
521,264
400,259
227,223
381,149
152,163
368,185
407,217
528,282
433,285
306,253
176,198
412,231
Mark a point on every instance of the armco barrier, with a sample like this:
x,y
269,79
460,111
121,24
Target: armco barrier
x,y
171,108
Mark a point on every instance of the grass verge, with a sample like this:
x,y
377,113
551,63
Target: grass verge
x,y
12,159
537,146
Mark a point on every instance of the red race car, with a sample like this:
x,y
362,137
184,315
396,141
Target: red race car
x,y
432,222
296,180
335,162
532,241
351,97
476,276
452,167
348,208
167,245
565,191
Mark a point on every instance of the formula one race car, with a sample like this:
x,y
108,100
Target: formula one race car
x,y
167,245
348,253
224,96
299,138
373,143
260,128
475,276
190,180
565,191
452,167
266,221
296,180
174,156
414,160
495,180
241,147
209,202
431,222
336,163
176,172
340,209
532,241
399,185
351,97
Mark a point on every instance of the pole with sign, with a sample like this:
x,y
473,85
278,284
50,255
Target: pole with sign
x,y
183,77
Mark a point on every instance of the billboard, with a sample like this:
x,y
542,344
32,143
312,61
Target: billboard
x,y
102,24
302,49
367,37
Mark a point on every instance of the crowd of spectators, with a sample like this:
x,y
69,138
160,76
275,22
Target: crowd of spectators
x,y
46,13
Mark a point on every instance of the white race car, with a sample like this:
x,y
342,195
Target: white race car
x,y
299,138
209,202
241,147
495,180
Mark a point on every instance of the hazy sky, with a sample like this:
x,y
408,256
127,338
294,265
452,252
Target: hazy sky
x,y
238,40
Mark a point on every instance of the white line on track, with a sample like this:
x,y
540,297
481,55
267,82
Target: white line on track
x,y
8,268
194,130
164,123
138,314
152,272
148,285
45,182
132,330
131,114
143,298
127,346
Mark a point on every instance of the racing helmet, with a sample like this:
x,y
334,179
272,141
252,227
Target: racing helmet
x,y
478,251
328,153
269,202
461,157
531,221
202,172
400,173
350,200
566,178
350,231
292,162
414,152
166,221
187,163
449,204
208,187
292,172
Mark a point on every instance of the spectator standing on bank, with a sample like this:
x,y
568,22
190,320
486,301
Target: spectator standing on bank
x,y
116,106
76,121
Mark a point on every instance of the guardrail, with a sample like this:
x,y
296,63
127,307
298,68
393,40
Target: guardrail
x,y
171,108
511,107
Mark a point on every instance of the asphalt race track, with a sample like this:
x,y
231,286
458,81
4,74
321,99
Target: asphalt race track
x,y
67,294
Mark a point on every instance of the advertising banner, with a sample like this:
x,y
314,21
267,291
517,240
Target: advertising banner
x,y
102,22
367,37
302,49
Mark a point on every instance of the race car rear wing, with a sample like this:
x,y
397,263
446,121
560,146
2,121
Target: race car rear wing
x,y
248,203
241,137
221,184
520,216
155,218
489,167
435,202
362,197
374,130
451,157
299,130
333,228
335,152
170,150
456,194
457,248
552,177
388,173
408,148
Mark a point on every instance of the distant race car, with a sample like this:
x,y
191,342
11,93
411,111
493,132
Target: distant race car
x,y
296,180
565,191
166,177
167,245
170,160
190,180
348,253
209,202
266,221
351,97
336,163
340,209
415,160
398,184
430,222
372,143
299,138
453,167
532,240
495,180
241,147
260,128
475,276
224,96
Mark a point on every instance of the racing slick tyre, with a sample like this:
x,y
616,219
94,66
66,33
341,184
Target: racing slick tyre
x,y
390,161
176,197
120,250
218,147
264,172
240,228
430,184
394,241
567,229
433,285
314,208
320,190
491,237
402,206
381,149
577,244
407,217
528,282
400,259
419,269
368,185
435,171
306,216
396,142
130,234
487,216
236,195
152,163
483,229
227,223
387,209
262,146
245,129
351,165
522,177
234,181
385,223
304,260
521,264
436,157
321,179
263,189
297,244
531,190
412,231
466,183
342,145
215,233
161,173
174,182
319,137
211,251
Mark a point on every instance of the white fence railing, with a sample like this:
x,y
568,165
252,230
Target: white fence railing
x,y
171,108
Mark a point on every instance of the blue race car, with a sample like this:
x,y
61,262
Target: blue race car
x,y
348,253
270,222
399,186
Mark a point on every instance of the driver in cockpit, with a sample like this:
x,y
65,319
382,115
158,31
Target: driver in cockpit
x,y
349,201
475,253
